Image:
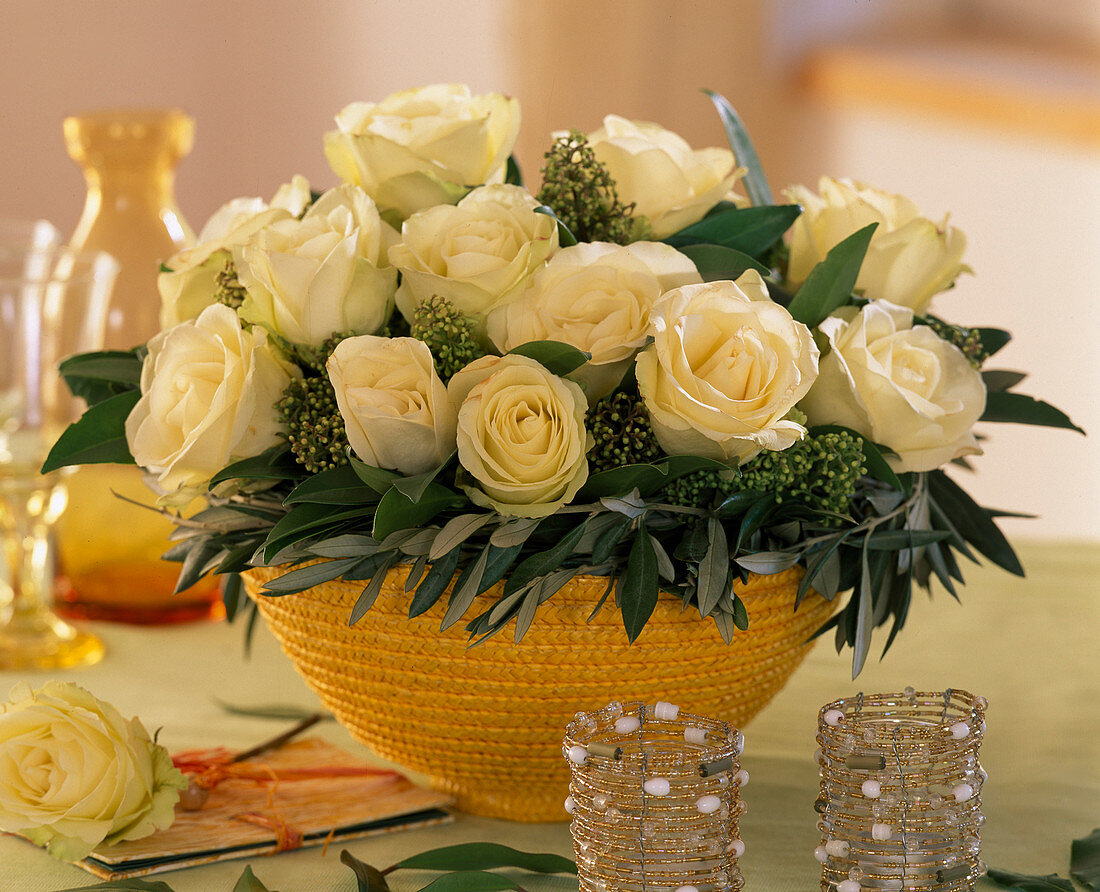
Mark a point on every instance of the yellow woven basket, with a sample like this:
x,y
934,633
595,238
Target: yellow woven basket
x,y
485,723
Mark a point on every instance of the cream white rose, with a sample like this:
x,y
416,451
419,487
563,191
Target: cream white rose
x,y
898,384
423,147
208,394
725,367
595,296
910,258
521,435
669,183
74,774
189,283
394,405
325,273
477,254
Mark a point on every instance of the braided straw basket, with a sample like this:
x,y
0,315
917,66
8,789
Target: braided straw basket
x,y
485,723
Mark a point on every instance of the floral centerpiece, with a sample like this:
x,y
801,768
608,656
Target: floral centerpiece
x,y
646,371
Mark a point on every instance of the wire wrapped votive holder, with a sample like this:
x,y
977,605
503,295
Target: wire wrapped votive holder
x,y
654,797
900,798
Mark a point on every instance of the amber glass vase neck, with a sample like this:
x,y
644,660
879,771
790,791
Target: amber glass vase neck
x,y
128,158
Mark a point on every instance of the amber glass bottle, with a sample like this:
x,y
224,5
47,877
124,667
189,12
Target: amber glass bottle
x,y
109,548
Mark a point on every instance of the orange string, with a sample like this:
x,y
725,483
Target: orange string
x,y
208,768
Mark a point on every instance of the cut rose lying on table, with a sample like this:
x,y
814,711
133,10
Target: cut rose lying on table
x,y
647,370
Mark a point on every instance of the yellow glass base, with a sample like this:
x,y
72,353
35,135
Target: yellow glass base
x,y
43,641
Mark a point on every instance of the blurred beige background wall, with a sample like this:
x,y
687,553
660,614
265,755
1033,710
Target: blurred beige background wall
x,y
987,109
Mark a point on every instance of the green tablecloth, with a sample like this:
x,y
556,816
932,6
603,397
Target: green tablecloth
x,y
1030,646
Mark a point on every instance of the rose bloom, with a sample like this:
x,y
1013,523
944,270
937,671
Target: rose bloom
x,y
910,258
595,296
477,254
423,147
325,273
189,283
74,774
725,367
669,183
521,435
208,394
394,405
898,384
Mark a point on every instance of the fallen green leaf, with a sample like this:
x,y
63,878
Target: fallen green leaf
x,y
249,883
1084,860
133,885
486,856
369,878
1025,883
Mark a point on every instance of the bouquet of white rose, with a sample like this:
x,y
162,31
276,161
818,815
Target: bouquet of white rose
x,y
637,372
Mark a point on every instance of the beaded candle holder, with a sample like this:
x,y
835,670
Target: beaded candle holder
x,y
900,799
655,800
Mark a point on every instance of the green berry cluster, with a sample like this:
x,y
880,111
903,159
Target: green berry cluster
x,y
820,472
228,288
619,424
694,490
582,193
448,333
313,424
966,339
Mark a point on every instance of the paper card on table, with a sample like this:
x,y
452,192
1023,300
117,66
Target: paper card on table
x,y
348,807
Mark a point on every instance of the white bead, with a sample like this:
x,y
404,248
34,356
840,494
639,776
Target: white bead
x,y
962,792
570,805
666,711
708,804
881,832
736,848
695,735
656,786
833,717
578,753
742,778
627,724
837,847
848,886
872,789
959,730
820,854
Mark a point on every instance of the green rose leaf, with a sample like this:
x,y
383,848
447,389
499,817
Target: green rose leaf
x,y
97,437
993,339
829,284
133,885
487,856
275,463
334,486
756,184
470,881
369,878
1019,408
413,488
1027,883
249,883
557,358
717,263
1084,860
748,230
98,376
396,511
378,479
